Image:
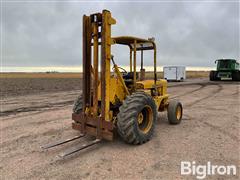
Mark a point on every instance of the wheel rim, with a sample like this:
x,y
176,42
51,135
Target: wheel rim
x,y
179,112
140,118
145,119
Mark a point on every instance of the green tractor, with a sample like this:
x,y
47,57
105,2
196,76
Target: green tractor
x,y
226,68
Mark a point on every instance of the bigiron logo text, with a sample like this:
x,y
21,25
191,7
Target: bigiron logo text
x,y
202,171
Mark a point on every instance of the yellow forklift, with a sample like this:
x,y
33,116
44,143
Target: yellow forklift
x,y
119,100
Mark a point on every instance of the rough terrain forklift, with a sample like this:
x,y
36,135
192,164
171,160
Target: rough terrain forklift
x,y
226,68
118,100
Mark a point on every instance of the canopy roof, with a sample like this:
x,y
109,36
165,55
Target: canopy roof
x,y
141,44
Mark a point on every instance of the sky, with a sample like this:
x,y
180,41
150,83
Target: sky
x,y
189,33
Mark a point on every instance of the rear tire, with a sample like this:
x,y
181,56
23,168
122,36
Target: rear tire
x,y
175,112
236,76
136,118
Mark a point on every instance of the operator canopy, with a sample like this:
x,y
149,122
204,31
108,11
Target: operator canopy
x,y
141,44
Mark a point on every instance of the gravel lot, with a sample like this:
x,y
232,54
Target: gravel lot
x,y
209,132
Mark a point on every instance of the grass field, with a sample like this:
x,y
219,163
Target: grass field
x,y
190,74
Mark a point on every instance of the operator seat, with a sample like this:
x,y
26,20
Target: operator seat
x,y
128,78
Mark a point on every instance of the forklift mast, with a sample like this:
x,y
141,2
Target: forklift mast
x,y
96,32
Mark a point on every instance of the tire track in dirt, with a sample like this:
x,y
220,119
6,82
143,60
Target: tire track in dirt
x,y
205,82
236,92
202,86
34,123
216,128
30,137
33,113
219,88
69,102
35,108
190,92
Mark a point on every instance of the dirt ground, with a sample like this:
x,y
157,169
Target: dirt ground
x,y
24,86
209,132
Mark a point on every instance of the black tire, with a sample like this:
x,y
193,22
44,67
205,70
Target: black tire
x,y
212,76
135,106
77,106
216,76
173,109
236,76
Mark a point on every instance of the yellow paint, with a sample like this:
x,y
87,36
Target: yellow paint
x,y
95,69
140,118
117,92
108,21
159,99
161,87
145,122
179,112
128,40
134,64
148,84
121,79
130,59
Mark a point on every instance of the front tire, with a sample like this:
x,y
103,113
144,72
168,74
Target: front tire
x,y
212,76
137,118
175,112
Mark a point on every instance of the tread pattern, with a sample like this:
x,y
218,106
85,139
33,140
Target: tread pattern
x,y
172,119
77,107
127,118
236,76
211,75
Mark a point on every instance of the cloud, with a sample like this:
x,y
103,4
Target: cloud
x,y
186,33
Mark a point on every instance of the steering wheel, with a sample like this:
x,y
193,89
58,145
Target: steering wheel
x,y
124,71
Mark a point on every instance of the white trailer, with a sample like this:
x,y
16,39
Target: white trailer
x,y
174,73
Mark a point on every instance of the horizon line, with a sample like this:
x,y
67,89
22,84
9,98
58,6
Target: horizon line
x,y
76,69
